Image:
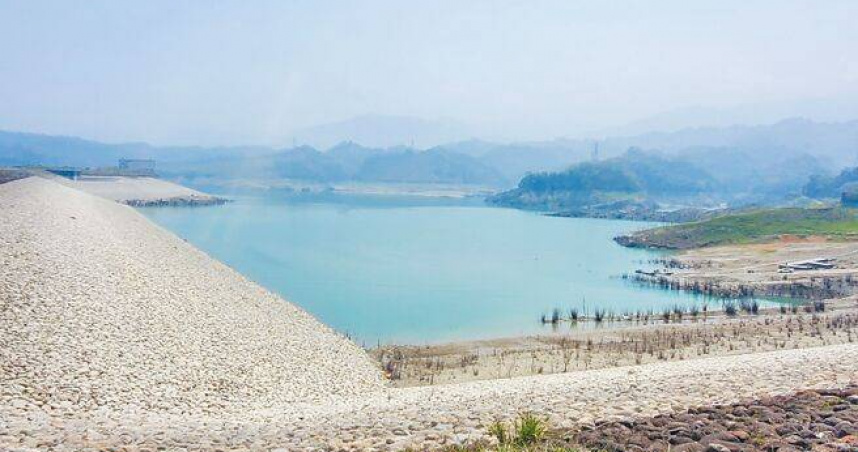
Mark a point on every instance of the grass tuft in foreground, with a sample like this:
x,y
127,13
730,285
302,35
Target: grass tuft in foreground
x,y
525,434
527,430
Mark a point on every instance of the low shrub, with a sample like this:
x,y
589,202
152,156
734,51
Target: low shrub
x,y
573,314
529,429
730,308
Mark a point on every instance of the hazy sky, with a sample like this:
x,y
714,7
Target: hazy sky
x,y
221,72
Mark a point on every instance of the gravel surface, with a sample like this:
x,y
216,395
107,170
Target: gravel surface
x,y
818,420
115,334
101,308
431,417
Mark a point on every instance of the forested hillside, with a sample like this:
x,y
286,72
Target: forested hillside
x,y
699,176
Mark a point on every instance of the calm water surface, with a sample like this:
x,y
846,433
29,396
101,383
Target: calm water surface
x,y
397,272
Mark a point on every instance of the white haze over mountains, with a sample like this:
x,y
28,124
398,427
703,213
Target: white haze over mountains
x,y
805,145
479,92
840,109
389,131
384,131
266,72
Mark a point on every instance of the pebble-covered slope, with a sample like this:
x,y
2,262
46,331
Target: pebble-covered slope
x,y
820,421
100,308
427,418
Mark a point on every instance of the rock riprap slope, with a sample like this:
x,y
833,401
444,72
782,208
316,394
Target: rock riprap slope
x,y
102,310
426,418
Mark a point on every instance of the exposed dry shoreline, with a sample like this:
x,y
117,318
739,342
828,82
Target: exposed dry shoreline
x,y
619,344
754,270
725,271
116,334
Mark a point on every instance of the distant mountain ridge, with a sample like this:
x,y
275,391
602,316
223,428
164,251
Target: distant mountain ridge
x,y
834,144
822,110
21,148
350,162
772,158
384,131
495,165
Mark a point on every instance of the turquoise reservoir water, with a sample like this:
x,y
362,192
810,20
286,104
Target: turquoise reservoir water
x,y
403,273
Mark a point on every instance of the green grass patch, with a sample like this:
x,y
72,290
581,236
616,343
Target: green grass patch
x,y
756,226
527,433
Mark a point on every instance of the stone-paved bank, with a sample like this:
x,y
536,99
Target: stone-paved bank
x,y
101,310
819,420
117,335
430,417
